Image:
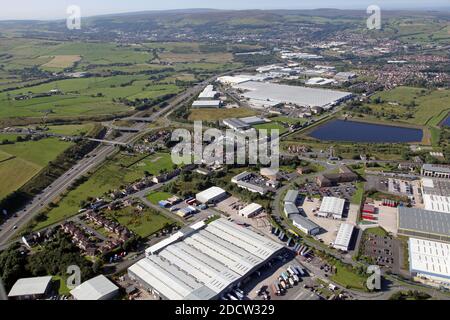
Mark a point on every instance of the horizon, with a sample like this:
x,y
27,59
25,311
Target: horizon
x,y
42,12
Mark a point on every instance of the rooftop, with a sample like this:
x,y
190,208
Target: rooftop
x,y
429,257
436,167
332,205
291,196
344,235
302,96
424,221
206,262
30,286
94,289
304,222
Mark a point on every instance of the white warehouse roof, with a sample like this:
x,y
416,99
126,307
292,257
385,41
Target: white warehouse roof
x,y
302,96
344,236
250,210
98,288
210,194
30,286
205,263
332,205
430,259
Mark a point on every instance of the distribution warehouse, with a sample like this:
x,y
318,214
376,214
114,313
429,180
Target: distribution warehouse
x,y
424,224
203,262
269,94
430,260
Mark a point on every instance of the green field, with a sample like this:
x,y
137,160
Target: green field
x,y
143,223
348,279
219,114
156,197
155,163
71,129
425,107
112,175
271,126
29,158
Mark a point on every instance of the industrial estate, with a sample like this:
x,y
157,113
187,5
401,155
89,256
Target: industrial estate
x,y
362,179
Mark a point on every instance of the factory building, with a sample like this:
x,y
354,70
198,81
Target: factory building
x,y
426,224
204,262
436,171
207,104
290,209
212,195
429,261
333,207
305,225
251,210
98,288
344,237
31,288
436,194
291,197
208,93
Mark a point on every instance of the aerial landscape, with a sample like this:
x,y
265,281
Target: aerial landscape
x,y
231,154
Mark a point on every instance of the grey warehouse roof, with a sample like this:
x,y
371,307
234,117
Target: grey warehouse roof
x,y
94,289
434,167
304,222
205,263
291,196
423,220
277,93
30,286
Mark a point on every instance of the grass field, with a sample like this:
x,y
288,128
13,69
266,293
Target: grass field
x,y
430,108
377,231
29,158
358,196
348,279
71,129
271,126
156,197
219,114
62,61
143,223
155,163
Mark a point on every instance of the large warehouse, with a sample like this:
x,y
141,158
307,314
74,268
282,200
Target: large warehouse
x,y
268,94
430,260
424,224
344,237
204,262
212,195
332,206
436,194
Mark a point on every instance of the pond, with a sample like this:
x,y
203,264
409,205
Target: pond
x,y
353,131
446,122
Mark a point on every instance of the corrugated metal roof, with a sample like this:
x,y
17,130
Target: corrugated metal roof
x,y
424,221
430,257
206,262
291,196
30,286
94,289
344,236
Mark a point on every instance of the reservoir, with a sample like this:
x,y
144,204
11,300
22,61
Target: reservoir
x,y
446,122
353,131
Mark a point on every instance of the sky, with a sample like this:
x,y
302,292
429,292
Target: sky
x,y
56,9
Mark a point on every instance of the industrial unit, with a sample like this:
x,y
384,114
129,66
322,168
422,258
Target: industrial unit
x,y
332,206
212,195
203,262
270,94
424,224
344,237
251,210
31,288
207,104
430,260
291,197
305,225
436,171
436,194
98,288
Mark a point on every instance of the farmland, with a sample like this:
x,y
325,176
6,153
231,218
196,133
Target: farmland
x,y
26,159
219,114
